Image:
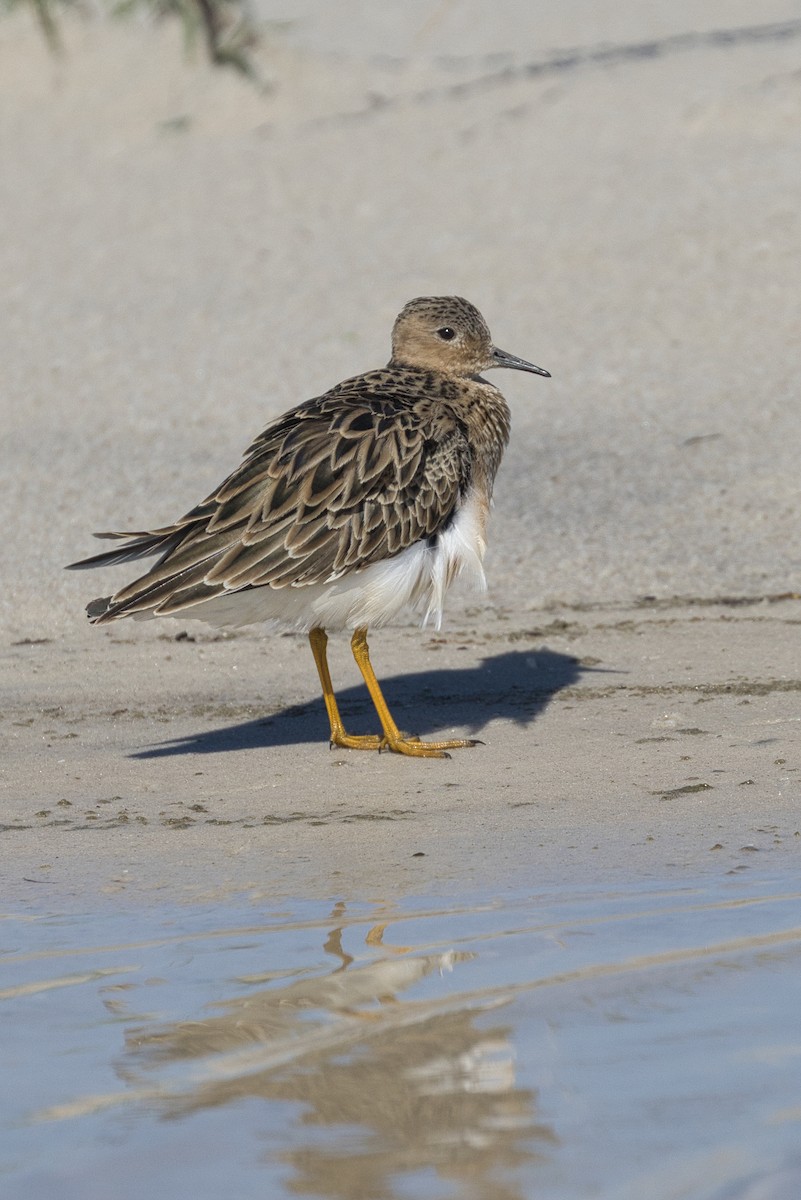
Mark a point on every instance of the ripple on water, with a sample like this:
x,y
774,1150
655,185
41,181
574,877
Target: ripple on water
x,y
628,1044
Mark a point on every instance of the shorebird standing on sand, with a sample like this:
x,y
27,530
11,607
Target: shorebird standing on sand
x,y
354,505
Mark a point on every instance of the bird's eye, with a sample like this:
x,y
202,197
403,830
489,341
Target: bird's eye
x,y
447,334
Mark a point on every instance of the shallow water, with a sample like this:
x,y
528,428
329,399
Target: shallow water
x,y
641,1043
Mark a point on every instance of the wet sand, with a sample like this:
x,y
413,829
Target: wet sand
x,y
189,257
644,742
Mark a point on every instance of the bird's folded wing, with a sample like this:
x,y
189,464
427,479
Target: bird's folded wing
x,y
341,482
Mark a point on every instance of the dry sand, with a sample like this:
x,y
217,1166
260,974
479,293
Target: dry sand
x,y
616,187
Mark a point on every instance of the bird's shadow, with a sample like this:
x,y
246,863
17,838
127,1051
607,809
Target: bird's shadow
x,y
515,686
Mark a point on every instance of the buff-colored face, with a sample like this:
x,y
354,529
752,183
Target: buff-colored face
x,y
448,334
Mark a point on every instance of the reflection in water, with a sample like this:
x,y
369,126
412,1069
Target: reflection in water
x,y
407,1088
199,1052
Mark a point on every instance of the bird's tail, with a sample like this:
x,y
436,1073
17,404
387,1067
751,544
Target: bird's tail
x,y
137,545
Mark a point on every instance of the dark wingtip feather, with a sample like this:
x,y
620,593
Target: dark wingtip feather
x,y
95,609
143,546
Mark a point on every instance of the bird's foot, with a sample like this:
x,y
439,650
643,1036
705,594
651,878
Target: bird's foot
x,y
415,747
354,741
400,743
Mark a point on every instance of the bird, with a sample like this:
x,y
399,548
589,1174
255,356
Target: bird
x,y
355,505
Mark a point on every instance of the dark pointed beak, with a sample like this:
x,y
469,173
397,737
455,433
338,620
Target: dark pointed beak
x,y
501,359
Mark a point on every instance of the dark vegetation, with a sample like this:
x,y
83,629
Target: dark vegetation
x,y
227,29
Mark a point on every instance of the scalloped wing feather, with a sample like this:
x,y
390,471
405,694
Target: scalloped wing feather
x,y
342,482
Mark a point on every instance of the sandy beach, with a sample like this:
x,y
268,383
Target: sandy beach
x,y
565,962
186,256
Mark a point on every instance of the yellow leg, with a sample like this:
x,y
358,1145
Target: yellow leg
x,y
318,640
375,937
393,739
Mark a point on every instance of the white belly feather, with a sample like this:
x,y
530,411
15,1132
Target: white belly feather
x,y
416,578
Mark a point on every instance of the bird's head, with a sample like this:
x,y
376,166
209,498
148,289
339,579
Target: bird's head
x,y
448,334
